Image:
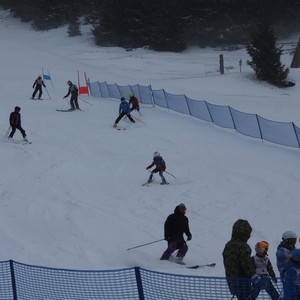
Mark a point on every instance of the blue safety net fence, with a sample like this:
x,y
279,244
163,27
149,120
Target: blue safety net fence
x,y
252,125
27,282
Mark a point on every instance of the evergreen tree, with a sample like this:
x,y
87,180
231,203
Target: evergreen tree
x,y
266,57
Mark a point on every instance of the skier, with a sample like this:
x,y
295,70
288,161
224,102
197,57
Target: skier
x,y
134,102
15,123
38,83
124,110
291,284
265,270
175,226
160,167
284,252
239,268
73,90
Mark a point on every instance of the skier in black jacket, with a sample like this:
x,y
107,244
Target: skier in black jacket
x,y
38,83
73,90
15,123
175,226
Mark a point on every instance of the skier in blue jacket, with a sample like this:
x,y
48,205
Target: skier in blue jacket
x,y
124,110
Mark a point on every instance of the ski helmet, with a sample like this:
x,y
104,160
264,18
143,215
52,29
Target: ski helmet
x,y
69,82
40,76
156,154
17,108
289,235
296,255
130,95
262,247
122,99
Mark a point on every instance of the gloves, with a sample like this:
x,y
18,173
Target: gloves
x,y
147,168
64,97
33,86
256,279
189,238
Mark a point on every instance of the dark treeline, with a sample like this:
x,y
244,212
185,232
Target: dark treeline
x,y
162,25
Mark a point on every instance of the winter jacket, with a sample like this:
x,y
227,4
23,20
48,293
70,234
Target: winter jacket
x,y
15,119
124,107
39,81
291,283
159,163
283,255
175,226
73,90
237,255
263,265
134,101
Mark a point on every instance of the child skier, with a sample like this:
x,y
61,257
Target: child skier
x,y
38,83
265,270
160,167
134,102
124,110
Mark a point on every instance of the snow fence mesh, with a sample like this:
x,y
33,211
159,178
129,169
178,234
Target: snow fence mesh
x,y
23,282
251,125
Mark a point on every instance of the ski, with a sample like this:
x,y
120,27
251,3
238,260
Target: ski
x,y
36,99
65,110
201,266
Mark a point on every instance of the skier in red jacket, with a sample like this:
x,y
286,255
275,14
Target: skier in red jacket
x,y
160,167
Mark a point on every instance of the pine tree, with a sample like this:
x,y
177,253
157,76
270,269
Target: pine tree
x,y
266,57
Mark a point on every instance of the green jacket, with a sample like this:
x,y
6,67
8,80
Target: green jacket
x,y
237,254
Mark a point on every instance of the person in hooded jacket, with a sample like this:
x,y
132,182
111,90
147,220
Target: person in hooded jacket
x,y
160,167
15,123
239,268
175,226
38,83
124,110
73,91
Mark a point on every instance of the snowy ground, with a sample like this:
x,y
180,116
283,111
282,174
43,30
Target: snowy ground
x,y
73,198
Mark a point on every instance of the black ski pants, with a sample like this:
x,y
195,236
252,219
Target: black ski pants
x,y
121,115
13,130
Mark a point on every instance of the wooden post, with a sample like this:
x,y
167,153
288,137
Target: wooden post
x,y
221,60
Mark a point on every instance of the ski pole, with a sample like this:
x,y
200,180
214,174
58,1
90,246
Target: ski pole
x,y
145,244
6,134
139,120
47,92
170,174
85,101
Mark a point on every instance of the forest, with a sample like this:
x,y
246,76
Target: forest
x,y
164,25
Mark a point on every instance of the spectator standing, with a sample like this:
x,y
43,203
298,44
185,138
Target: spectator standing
x,y
239,268
265,270
285,251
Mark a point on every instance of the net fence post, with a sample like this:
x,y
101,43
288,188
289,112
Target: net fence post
x,y
13,279
139,283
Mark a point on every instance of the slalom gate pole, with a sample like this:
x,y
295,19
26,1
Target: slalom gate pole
x,y
145,244
170,174
139,120
48,93
6,134
85,101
